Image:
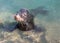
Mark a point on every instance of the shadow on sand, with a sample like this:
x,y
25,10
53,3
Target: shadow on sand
x,y
39,10
9,27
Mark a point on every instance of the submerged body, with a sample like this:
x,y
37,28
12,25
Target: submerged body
x,y
25,20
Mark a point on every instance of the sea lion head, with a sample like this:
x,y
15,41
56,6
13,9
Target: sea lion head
x,y
25,20
21,15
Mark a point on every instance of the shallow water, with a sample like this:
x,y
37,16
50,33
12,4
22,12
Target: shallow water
x,y
49,22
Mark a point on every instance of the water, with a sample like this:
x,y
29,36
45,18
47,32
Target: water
x,y
50,21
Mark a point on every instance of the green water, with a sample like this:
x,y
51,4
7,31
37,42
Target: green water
x,y
50,21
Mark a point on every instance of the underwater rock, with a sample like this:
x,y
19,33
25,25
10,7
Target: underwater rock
x,y
25,20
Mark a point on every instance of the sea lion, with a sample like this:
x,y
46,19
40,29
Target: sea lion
x,y
25,20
